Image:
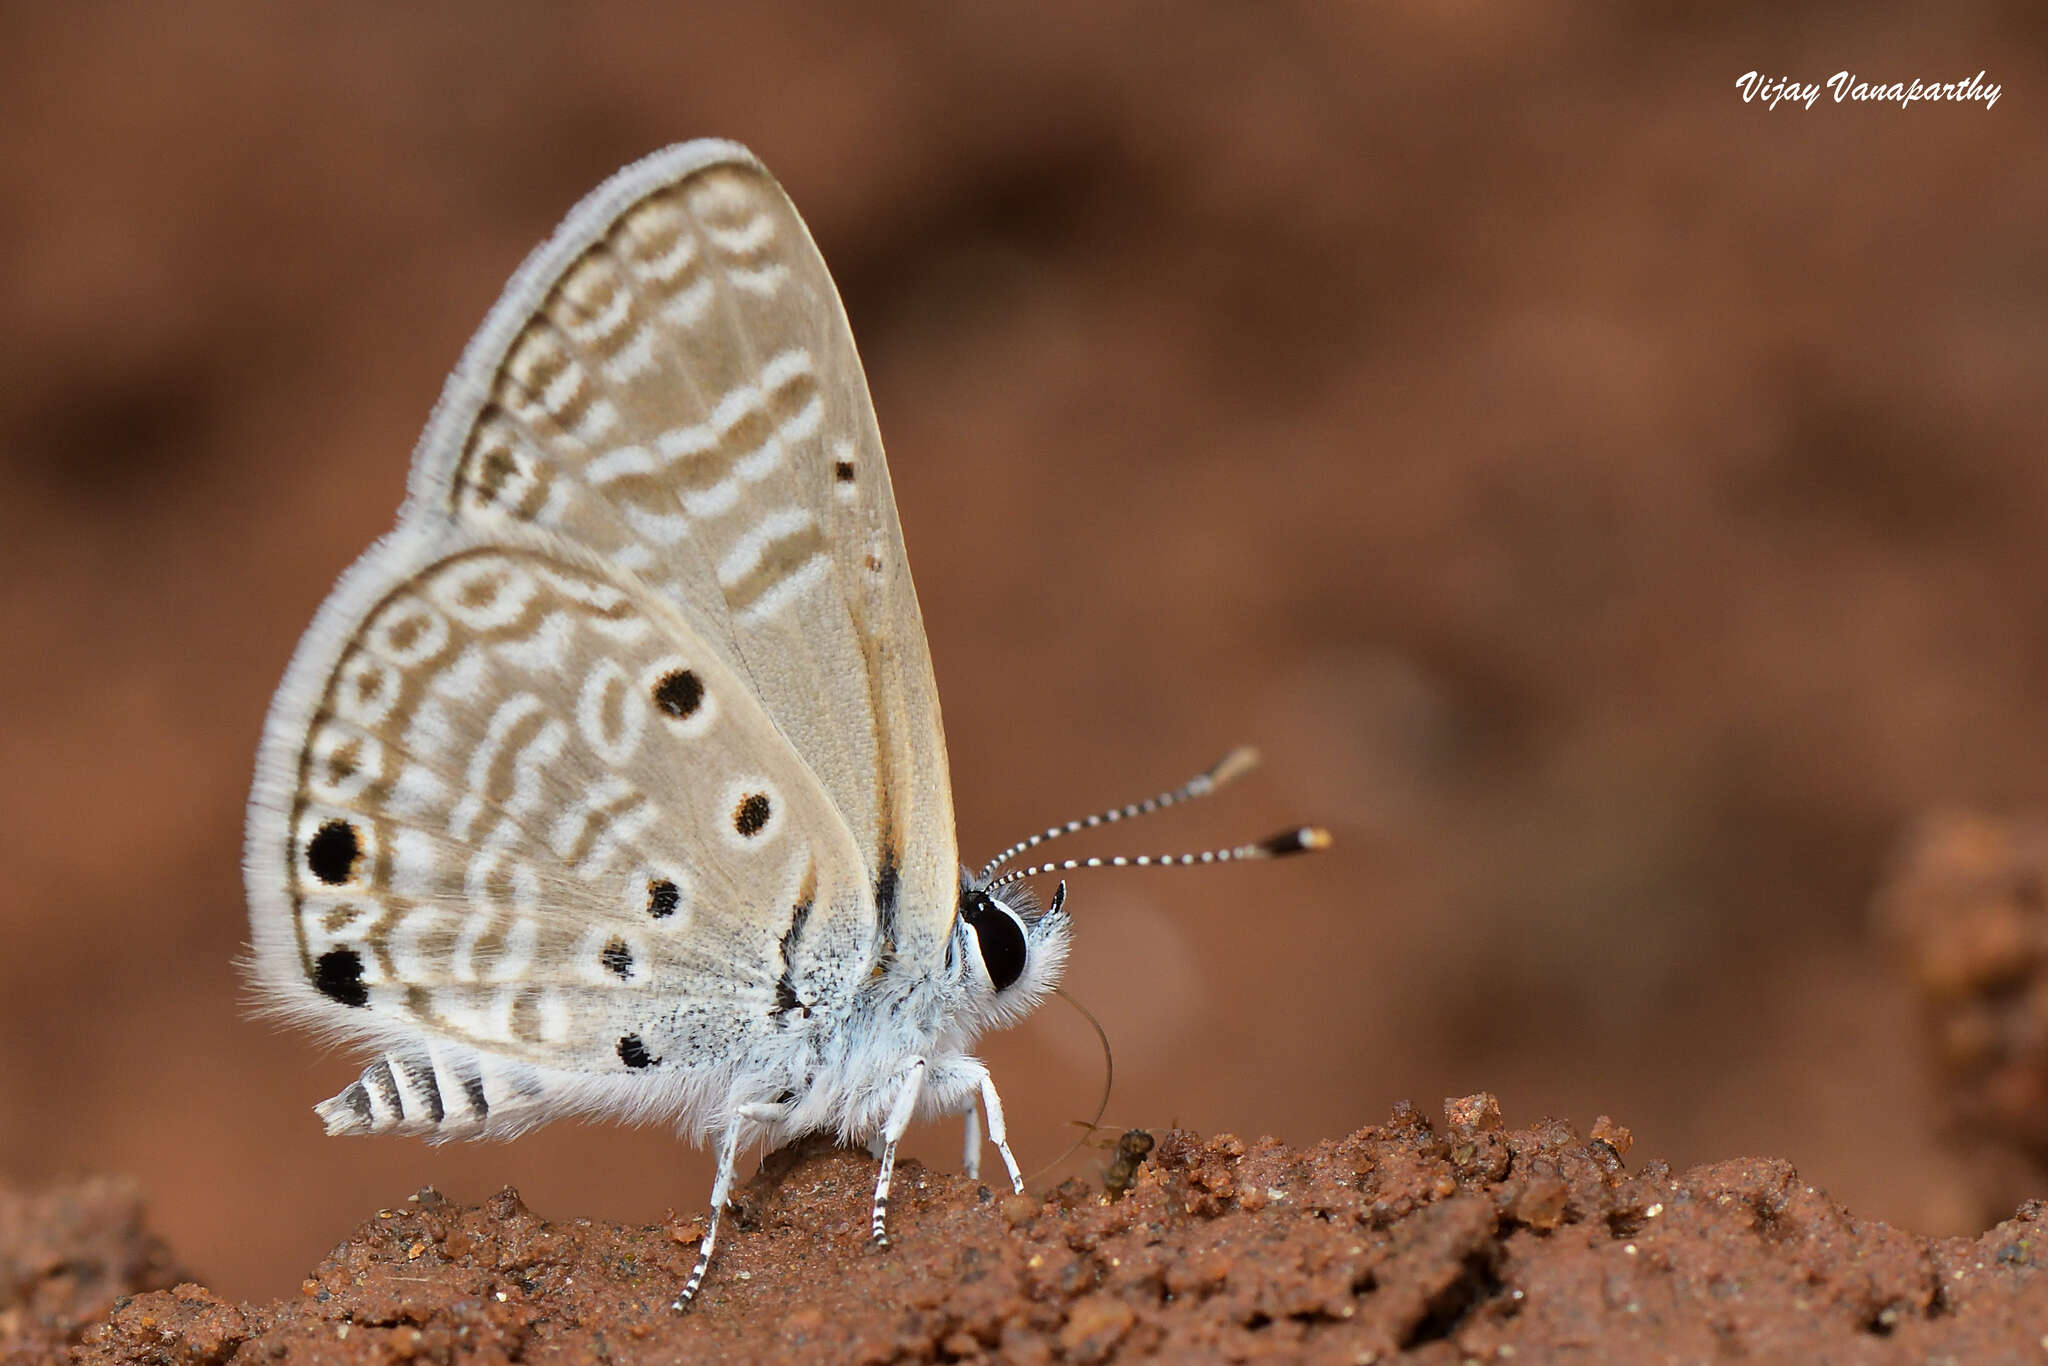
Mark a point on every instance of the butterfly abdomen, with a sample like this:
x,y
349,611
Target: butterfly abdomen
x,y
410,1094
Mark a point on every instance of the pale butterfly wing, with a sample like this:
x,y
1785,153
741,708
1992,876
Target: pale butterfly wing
x,y
671,381
613,779
519,822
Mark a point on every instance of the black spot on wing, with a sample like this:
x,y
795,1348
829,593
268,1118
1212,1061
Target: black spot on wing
x,y
679,693
332,852
750,817
338,975
473,1087
663,897
633,1052
617,958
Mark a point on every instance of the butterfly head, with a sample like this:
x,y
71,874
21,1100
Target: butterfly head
x,y
1011,949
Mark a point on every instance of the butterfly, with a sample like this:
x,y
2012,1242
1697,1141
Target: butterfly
x,y
611,781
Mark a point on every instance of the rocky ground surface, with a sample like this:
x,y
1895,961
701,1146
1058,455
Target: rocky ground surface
x,y
1965,912
65,1256
1458,1241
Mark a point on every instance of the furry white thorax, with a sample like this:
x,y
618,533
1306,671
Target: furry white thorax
x,y
846,1063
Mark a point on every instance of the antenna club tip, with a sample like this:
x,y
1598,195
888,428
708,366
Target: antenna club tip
x,y
1233,766
1306,840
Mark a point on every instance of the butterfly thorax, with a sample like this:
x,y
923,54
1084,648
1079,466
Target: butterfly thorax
x,y
842,1066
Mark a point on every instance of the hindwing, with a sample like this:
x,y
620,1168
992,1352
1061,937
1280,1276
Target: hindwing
x,y
510,799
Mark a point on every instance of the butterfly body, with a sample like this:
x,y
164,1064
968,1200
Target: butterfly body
x,y
443,907
612,780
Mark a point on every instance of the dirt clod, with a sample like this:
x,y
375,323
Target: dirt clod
x,y
1480,1111
1617,1138
66,1257
1094,1326
1967,917
1395,1242
1018,1209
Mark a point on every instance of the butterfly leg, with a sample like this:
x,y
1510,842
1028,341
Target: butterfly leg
x,y
970,1157
959,1079
899,1120
721,1187
998,1133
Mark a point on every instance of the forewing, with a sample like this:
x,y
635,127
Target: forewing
x,y
510,800
671,381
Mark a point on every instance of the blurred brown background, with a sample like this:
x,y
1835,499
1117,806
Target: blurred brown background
x,y
1616,509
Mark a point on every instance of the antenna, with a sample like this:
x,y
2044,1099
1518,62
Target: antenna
x,y
1229,768
1302,840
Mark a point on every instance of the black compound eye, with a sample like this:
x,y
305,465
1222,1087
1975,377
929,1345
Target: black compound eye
x,y
1000,935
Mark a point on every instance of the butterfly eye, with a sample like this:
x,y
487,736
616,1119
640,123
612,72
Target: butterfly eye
x,y
1000,936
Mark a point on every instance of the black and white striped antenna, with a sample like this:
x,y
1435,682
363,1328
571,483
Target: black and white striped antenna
x,y
1234,765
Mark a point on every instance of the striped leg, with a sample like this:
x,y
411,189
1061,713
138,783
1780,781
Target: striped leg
x,y
721,1187
970,1156
997,1132
899,1120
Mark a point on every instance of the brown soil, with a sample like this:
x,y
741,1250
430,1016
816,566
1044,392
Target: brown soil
x,y
1966,910
65,1255
1461,1242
